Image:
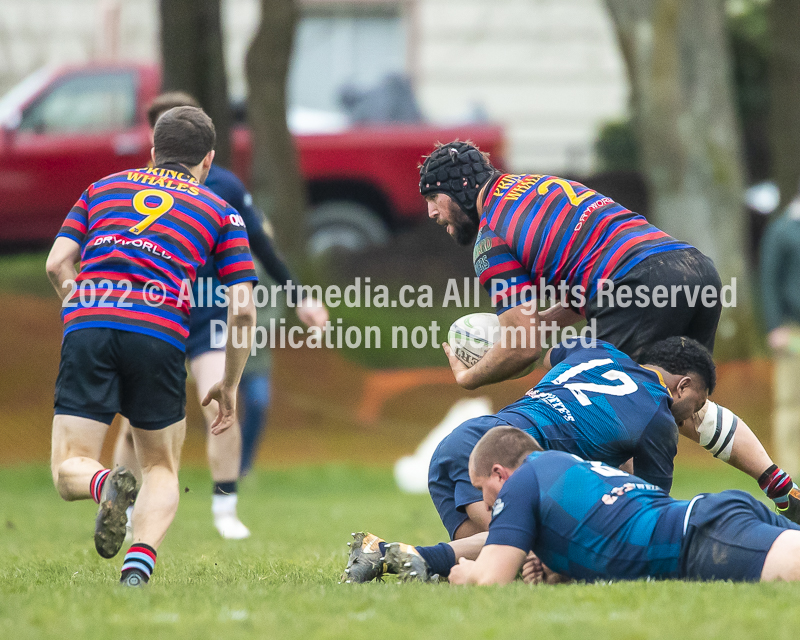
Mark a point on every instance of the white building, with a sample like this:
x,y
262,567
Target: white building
x,y
549,71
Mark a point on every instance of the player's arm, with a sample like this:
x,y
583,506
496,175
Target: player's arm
x,y
241,320
724,434
310,311
654,456
561,315
508,356
60,264
496,564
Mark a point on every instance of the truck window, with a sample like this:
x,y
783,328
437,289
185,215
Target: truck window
x,y
85,103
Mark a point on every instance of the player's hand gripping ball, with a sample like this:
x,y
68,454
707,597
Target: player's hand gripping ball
x,y
472,336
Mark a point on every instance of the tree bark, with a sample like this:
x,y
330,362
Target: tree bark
x,y
683,109
277,185
194,61
784,22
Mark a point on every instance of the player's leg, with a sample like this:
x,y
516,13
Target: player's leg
x,y
125,456
158,453
427,563
730,535
153,382
254,391
456,501
159,456
76,446
78,475
224,450
87,398
124,452
783,559
479,517
371,557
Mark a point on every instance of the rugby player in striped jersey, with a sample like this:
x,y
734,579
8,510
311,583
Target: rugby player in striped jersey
x,y
140,236
536,231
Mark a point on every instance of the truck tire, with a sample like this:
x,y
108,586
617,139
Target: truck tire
x,y
344,224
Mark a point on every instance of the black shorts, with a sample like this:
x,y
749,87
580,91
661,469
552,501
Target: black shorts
x,y
728,536
108,371
632,328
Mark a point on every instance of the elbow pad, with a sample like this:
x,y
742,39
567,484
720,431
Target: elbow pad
x,y
717,430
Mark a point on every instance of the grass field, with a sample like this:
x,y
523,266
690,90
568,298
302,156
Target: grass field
x,y
282,583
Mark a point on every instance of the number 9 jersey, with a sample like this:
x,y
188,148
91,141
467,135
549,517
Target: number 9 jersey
x,y
143,234
599,404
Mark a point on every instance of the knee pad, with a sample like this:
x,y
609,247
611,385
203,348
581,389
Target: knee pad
x,y
717,431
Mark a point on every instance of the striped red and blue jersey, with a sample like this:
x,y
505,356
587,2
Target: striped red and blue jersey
x,y
143,234
540,229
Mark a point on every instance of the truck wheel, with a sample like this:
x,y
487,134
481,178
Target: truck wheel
x,y
344,224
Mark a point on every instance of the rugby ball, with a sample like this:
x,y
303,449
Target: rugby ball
x,y
472,336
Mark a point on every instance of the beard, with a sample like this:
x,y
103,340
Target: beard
x,y
465,229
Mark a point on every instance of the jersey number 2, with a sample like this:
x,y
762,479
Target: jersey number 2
x,y
566,187
151,213
628,386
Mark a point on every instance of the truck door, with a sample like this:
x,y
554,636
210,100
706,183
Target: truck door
x,y
82,128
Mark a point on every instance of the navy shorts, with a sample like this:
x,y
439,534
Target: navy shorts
x,y
448,474
104,372
199,340
728,537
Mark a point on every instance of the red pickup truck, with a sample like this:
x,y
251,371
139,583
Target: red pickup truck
x,y
62,129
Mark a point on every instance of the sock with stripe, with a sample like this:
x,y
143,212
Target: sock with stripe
x,y
96,485
776,484
225,488
440,558
141,558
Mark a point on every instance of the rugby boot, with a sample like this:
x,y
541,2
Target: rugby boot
x,y
133,578
792,512
405,561
365,562
119,492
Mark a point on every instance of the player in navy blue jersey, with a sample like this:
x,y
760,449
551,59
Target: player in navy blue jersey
x,y
595,402
205,357
587,521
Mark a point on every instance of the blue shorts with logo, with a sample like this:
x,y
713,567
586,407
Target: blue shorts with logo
x,y
728,536
448,474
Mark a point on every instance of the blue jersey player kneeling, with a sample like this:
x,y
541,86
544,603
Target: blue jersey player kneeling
x,y
587,521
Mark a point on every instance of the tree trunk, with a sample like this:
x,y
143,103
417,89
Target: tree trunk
x,y
277,186
683,109
194,61
784,22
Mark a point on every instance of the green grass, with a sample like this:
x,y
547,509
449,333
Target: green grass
x,y
25,273
282,583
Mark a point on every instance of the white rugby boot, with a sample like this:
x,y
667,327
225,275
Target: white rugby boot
x,y
227,522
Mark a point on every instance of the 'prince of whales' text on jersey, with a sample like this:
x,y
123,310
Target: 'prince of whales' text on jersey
x,y
589,521
543,228
150,225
